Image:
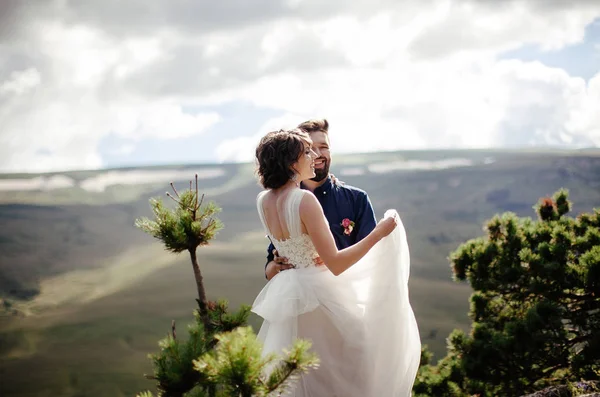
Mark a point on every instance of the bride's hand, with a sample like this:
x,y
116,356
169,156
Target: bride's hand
x,y
385,226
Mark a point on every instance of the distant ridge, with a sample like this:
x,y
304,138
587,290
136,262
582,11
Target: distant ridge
x,y
339,158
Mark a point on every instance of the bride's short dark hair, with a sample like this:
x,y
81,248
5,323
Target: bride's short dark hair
x,y
276,153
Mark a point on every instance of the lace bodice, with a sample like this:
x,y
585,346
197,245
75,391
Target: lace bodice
x,y
298,248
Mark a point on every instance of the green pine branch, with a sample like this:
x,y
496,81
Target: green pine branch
x,y
535,306
237,364
189,225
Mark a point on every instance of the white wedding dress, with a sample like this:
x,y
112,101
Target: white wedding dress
x,y
360,323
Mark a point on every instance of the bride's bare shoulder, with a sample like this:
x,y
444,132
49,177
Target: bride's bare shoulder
x,y
309,201
261,194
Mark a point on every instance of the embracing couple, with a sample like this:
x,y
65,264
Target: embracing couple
x,y
345,284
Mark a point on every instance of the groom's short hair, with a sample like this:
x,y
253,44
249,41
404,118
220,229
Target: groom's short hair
x,y
314,125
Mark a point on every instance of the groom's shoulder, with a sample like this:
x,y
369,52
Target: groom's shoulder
x,y
349,189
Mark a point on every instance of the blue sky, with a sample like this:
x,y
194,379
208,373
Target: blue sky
x,y
93,85
579,60
238,119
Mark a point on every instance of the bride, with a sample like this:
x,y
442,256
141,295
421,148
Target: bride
x,y
355,309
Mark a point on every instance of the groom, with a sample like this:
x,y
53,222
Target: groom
x,y
348,209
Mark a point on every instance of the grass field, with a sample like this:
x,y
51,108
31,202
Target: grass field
x,y
94,294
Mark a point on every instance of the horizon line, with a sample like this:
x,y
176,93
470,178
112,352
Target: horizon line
x,y
141,165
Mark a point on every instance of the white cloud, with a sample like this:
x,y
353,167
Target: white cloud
x,y
462,97
387,75
20,82
59,125
503,25
469,103
586,114
242,149
159,120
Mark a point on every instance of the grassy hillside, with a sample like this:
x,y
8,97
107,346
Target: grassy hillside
x,y
90,295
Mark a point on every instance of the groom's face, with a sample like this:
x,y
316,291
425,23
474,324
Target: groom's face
x,y
323,160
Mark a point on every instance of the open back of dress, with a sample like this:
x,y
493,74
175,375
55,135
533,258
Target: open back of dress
x,y
298,248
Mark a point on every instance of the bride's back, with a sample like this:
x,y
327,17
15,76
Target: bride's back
x,y
277,215
280,215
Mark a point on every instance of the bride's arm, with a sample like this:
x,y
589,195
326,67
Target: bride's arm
x,y
311,214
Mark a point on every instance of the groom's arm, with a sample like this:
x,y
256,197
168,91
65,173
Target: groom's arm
x,y
365,221
270,258
275,263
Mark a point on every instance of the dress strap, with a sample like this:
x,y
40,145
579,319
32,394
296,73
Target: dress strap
x,y
292,213
261,214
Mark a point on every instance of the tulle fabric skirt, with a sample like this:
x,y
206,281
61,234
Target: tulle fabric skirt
x,y
360,323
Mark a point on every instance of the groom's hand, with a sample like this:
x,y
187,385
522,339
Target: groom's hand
x,y
279,263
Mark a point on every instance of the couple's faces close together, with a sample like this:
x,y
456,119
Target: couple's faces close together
x,y
314,161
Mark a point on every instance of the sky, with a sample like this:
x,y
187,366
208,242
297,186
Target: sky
x,y
90,84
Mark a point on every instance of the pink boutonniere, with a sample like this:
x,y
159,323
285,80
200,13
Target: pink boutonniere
x,y
348,226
